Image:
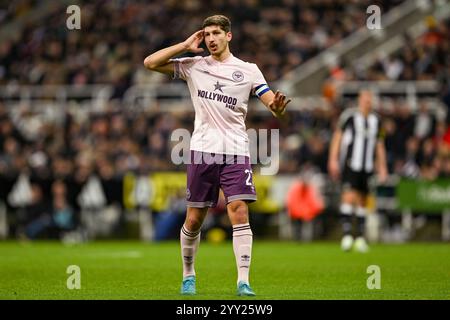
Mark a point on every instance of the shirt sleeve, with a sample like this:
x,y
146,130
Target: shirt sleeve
x,y
344,118
259,86
381,134
182,67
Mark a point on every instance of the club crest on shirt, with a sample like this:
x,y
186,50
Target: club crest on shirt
x,y
238,76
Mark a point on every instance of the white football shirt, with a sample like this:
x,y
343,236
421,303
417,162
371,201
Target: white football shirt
x,y
220,92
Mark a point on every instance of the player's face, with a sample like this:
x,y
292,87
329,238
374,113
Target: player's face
x,y
216,39
365,101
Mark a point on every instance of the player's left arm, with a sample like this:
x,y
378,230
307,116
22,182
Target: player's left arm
x,y
381,161
275,102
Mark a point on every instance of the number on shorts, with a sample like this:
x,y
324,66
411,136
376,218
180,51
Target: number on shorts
x,y
249,177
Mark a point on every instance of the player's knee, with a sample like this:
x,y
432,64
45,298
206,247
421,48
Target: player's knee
x,y
193,223
239,212
237,206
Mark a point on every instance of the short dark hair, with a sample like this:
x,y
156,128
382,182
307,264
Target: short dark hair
x,y
218,20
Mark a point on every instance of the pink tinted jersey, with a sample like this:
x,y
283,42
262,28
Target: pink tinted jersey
x,y
220,92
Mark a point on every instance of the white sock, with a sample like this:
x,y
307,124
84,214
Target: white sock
x,y
189,244
242,245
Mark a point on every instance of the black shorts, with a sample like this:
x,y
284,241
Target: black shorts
x,y
358,181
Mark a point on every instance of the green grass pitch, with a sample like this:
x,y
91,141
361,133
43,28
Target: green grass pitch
x,y
279,271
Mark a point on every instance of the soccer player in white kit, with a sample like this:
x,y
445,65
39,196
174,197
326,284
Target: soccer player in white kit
x,y
220,85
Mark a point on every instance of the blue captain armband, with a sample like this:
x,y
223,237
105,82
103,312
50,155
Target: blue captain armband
x,y
261,89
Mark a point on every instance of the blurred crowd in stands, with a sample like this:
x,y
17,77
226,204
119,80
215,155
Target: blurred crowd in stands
x,y
61,156
424,58
115,36
115,142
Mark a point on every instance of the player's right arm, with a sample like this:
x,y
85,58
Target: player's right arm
x,y
160,60
335,145
333,158
380,157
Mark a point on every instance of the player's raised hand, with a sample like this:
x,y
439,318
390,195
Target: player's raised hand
x,y
278,104
194,41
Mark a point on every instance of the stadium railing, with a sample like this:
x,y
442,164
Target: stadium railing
x,y
175,96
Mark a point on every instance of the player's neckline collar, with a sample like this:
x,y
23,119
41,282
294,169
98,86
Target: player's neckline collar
x,y
224,61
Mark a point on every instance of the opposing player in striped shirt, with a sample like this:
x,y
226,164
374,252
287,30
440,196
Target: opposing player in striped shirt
x,y
357,150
